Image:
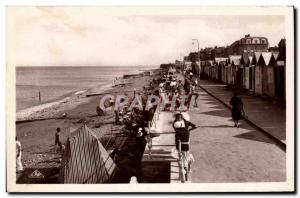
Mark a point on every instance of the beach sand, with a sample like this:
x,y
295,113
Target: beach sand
x,y
38,137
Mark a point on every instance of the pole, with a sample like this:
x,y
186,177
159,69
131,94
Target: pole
x,y
40,100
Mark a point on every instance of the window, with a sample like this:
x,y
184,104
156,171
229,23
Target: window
x,y
255,41
263,41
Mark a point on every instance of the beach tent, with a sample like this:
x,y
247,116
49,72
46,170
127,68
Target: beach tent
x,y
85,160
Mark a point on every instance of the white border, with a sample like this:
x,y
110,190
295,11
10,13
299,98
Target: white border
x,y
211,187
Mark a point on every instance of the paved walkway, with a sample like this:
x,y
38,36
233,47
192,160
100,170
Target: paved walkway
x,y
226,154
222,153
269,117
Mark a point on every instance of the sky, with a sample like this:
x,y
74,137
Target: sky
x,y
85,36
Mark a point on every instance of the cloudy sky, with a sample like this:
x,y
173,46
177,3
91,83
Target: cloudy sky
x,y
77,36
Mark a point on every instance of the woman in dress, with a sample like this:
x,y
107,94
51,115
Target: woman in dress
x,y
236,109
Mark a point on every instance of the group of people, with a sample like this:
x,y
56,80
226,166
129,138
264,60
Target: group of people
x,y
178,93
182,125
171,86
136,121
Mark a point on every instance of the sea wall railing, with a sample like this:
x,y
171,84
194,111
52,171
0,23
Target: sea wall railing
x,y
155,118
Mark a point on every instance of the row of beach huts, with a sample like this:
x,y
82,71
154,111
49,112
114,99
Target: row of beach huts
x,y
261,73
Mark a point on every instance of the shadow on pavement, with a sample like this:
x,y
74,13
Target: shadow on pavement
x,y
219,110
253,135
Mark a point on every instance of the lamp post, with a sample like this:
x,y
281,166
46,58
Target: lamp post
x,y
198,55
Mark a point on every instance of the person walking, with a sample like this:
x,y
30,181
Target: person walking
x,y
19,165
187,86
237,107
182,133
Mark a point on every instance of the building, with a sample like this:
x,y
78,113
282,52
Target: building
x,y
249,44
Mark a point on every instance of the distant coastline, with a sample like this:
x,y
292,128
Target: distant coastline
x,y
55,106
56,83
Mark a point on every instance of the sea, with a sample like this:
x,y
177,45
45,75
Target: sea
x,y
54,83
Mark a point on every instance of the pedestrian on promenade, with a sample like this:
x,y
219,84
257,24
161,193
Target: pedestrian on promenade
x,y
237,107
187,86
141,142
192,98
180,87
19,166
182,133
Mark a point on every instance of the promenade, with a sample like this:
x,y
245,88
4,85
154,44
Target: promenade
x,y
271,118
222,152
226,154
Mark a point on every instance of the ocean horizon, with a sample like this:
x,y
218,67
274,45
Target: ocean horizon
x,y
57,82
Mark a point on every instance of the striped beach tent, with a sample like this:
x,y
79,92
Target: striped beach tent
x,y
85,160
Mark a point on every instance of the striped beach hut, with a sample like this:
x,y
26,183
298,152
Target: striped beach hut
x,y
85,160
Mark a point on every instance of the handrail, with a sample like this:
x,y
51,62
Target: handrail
x,y
156,115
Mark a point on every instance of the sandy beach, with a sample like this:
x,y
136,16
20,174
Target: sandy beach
x,y
56,108
37,136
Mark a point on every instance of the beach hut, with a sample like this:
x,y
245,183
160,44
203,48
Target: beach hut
x,y
230,75
258,73
251,63
209,70
235,75
244,64
221,67
267,60
206,69
248,73
223,72
215,71
220,63
238,73
226,71
279,71
85,160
